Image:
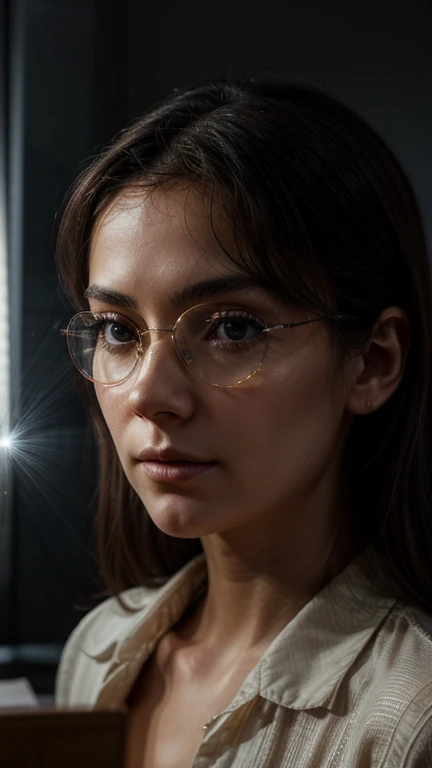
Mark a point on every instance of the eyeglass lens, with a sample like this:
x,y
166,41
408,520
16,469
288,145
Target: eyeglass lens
x,y
220,346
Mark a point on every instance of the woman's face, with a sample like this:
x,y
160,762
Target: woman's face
x,y
270,444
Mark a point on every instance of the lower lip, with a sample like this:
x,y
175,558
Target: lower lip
x,y
176,471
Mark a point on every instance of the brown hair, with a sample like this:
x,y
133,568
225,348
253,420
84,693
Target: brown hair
x,y
314,194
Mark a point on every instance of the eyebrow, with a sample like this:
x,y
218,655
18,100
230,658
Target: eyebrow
x,y
205,289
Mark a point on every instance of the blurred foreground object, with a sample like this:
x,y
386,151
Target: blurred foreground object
x,y
50,738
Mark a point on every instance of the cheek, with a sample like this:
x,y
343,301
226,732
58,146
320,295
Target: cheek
x,y
111,405
289,420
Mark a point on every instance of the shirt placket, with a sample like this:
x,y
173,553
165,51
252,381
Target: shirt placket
x,y
219,746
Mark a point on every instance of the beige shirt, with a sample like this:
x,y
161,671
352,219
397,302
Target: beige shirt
x,y
346,684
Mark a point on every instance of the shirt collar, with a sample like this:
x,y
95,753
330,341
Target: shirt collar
x,y
154,612
305,665
301,669
124,641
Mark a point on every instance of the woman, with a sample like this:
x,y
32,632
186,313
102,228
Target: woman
x,y
250,274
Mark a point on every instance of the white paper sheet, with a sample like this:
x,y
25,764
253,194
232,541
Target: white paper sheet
x,y
17,693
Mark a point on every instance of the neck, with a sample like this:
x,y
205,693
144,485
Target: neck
x,y
261,576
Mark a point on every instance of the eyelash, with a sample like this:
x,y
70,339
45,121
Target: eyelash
x,y
226,315
216,321
108,318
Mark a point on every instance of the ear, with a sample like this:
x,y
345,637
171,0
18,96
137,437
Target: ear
x,y
378,369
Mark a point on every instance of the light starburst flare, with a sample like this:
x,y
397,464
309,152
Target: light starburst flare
x,y
6,442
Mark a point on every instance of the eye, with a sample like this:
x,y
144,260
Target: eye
x,y
234,326
117,333
114,330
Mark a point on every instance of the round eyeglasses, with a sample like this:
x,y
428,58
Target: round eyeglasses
x,y
222,347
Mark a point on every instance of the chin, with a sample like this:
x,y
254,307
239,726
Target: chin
x,y
180,528
182,519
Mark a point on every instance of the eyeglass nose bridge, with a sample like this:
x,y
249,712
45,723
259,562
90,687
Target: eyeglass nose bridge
x,y
180,345
155,330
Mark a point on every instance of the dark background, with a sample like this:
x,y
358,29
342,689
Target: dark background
x,y
74,72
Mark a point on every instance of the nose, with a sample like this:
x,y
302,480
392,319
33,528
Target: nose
x,y
161,386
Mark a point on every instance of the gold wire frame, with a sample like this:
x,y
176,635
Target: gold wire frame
x,y
140,352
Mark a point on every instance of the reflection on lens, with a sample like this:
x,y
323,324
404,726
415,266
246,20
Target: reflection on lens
x,y
97,358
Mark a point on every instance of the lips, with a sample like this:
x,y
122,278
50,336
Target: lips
x,y
169,465
170,455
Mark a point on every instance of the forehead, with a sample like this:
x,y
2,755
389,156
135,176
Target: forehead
x,y
151,240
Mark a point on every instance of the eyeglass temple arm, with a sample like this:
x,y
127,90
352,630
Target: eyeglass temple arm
x,y
282,326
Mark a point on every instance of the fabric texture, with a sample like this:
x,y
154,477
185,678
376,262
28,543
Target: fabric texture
x,y
346,684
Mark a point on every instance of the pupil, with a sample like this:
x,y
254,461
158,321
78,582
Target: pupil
x,y
120,333
235,329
